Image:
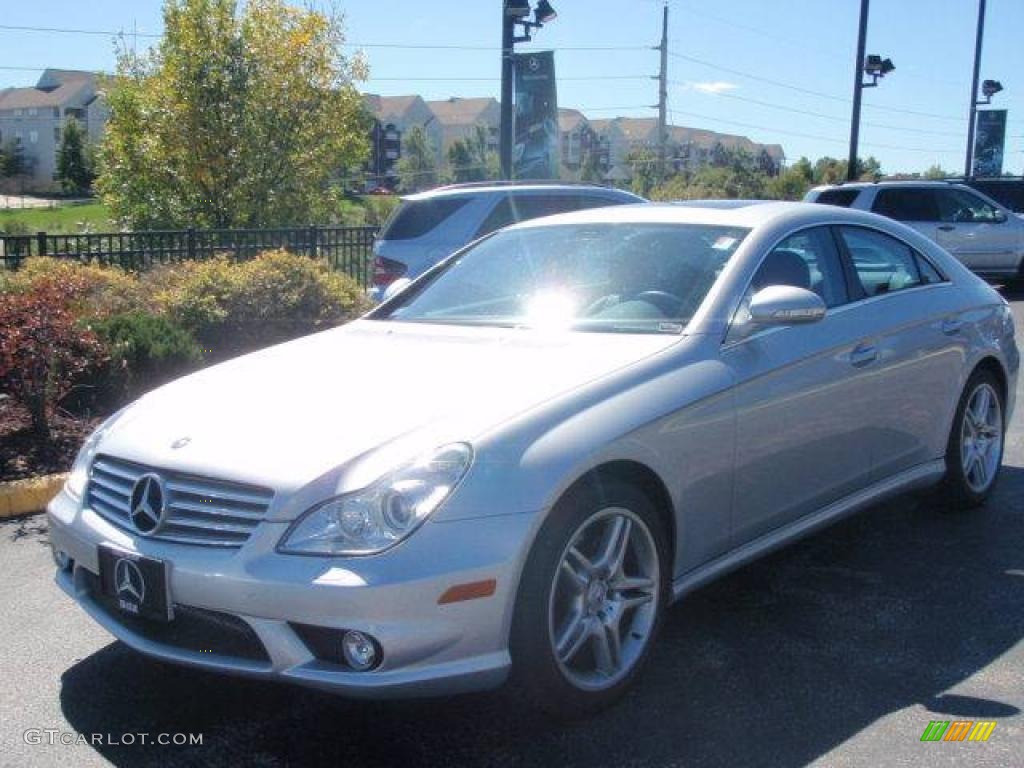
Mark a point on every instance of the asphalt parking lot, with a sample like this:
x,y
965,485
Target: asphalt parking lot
x,y
837,651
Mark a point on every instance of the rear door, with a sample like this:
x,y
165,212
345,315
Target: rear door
x,y
976,232
919,347
914,206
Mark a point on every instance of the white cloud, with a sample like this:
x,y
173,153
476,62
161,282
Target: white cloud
x,y
717,86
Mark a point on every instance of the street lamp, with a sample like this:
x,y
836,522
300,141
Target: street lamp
x,y
990,88
515,12
873,66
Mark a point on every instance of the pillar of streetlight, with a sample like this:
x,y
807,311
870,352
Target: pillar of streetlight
x,y
507,114
973,113
858,88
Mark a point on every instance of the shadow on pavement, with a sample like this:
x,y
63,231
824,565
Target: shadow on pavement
x,y
774,665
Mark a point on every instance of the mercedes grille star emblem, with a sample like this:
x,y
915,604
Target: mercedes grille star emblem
x,y
147,504
128,581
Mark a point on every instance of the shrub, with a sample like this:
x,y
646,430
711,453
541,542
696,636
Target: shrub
x,y
233,308
43,354
145,351
88,290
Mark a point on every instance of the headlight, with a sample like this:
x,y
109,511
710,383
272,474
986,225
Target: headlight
x,y
381,515
79,475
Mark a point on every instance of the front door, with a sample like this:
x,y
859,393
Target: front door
x,y
802,440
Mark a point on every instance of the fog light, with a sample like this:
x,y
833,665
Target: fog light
x,y
62,559
359,649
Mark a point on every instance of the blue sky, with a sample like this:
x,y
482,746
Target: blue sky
x,y
918,116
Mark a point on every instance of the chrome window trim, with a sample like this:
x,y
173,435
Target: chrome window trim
x,y
726,344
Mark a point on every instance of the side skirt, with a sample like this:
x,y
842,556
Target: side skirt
x,y
917,477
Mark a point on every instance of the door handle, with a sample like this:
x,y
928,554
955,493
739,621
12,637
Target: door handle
x,y
952,326
863,354
947,227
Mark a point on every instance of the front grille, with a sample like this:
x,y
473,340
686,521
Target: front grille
x,y
192,629
199,510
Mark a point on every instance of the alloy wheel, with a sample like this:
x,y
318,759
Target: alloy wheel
x,y
981,438
604,599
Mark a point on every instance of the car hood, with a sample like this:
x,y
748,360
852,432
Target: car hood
x,y
286,415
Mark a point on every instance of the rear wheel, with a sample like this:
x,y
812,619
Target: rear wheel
x,y
975,449
591,600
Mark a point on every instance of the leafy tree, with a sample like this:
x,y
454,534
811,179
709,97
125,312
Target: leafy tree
x,y
937,172
791,184
74,164
417,168
235,118
829,170
643,165
14,161
590,168
463,162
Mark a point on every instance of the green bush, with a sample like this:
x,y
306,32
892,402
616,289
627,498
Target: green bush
x,y
145,351
232,308
88,290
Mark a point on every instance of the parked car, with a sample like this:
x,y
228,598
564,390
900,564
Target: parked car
x,y
587,417
429,226
987,237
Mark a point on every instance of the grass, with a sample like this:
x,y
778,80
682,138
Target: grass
x,y
66,218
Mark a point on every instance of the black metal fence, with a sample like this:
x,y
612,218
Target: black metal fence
x,y
347,249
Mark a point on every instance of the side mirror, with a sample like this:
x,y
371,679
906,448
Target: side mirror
x,y
786,305
999,217
395,288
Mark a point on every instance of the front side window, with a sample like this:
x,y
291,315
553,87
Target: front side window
x,y
806,259
907,204
959,206
626,278
882,264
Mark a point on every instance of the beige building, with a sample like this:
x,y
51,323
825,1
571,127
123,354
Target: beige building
x,y
457,118
34,117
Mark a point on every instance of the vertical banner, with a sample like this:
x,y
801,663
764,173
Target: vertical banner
x,y
989,139
535,152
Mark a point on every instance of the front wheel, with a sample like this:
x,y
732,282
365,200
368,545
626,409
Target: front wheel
x,y
591,600
975,449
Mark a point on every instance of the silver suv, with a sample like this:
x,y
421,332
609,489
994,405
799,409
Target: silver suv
x,y
428,226
986,236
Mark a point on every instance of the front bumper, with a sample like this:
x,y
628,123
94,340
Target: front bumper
x,y
427,648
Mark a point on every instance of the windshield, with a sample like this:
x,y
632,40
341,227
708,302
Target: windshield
x,y
632,278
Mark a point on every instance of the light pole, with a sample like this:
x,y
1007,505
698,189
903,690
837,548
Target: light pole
x,y
514,12
972,115
875,67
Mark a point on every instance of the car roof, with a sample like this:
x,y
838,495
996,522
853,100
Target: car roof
x,y
734,213
890,184
478,188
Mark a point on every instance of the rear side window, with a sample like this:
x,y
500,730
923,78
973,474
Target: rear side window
x,y
907,204
842,197
883,264
416,218
515,208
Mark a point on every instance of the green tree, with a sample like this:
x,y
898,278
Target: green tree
x,y
937,172
463,162
590,168
14,161
74,166
235,118
643,165
417,168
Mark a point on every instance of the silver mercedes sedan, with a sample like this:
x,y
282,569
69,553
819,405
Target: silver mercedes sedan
x,y
516,463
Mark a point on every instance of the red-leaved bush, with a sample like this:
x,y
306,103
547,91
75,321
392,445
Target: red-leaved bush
x,y
43,353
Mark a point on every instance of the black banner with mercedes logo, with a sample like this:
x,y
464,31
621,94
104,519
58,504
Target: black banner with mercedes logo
x,y
535,154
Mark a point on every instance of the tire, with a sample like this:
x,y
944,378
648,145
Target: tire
x,y
580,600
971,475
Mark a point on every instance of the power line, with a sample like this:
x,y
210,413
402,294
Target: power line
x,y
494,79
772,105
807,91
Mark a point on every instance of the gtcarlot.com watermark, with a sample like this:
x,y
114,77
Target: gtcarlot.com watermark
x,y
55,736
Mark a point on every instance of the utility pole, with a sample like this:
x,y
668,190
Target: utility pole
x,y
973,114
505,136
663,95
858,87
